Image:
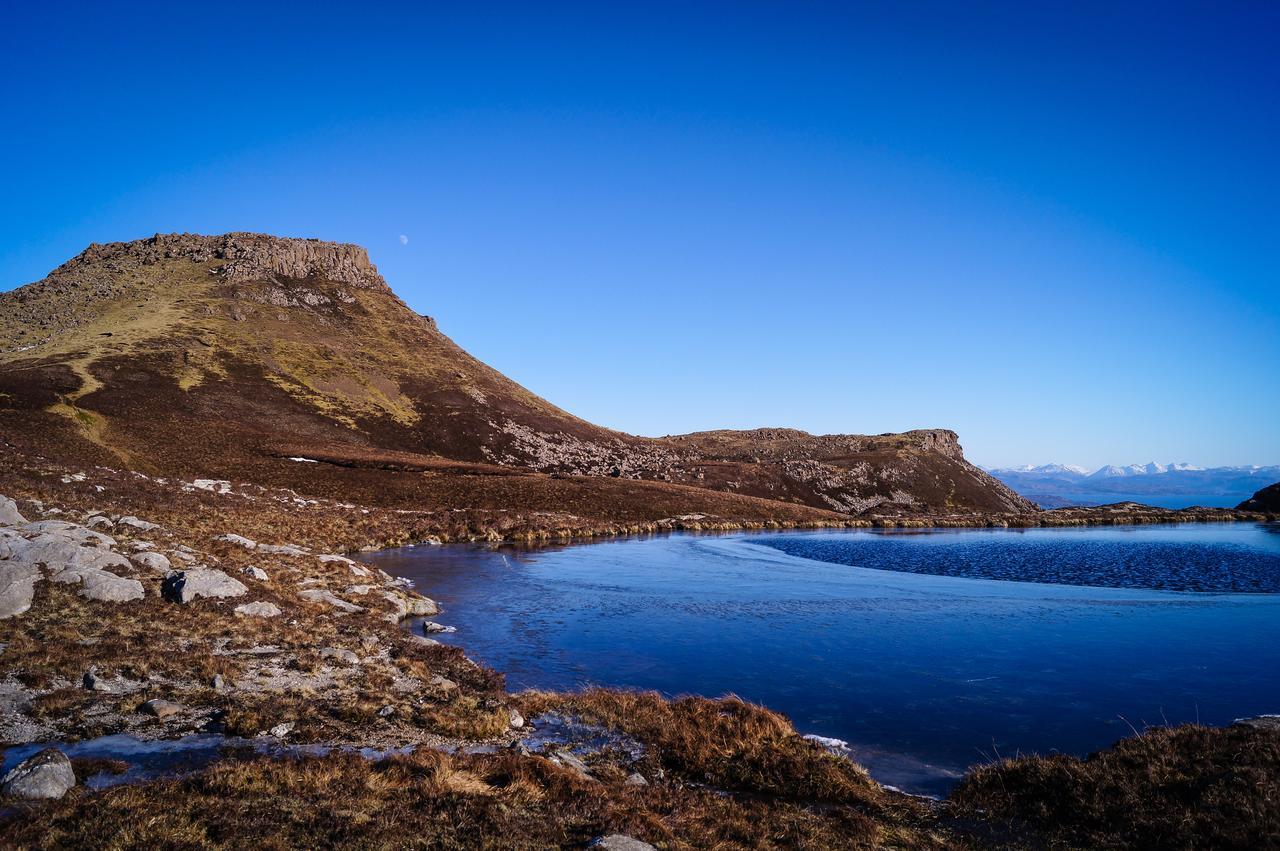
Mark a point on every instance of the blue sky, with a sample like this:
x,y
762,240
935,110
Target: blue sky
x,y
1054,230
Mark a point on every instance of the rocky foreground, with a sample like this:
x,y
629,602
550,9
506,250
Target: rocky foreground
x,y
161,607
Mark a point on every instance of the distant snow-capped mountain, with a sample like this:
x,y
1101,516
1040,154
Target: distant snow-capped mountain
x,y
1172,485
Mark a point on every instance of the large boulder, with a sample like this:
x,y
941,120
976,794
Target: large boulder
x,y
183,586
47,775
9,515
17,587
152,561
109,588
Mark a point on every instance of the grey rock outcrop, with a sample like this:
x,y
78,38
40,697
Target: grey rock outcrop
x,y
155,562
258,609
9,515
183,586
46,776
17,587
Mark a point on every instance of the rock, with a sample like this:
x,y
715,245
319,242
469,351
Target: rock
x,y
635,778
317,595
516,719
326,558
259,609
140,525
406,606
92,683
357,570
214,485
442,683
570,760
431,627
256,572
218,683
17,587
342,654
358,590
46,776
620,842
9,515
109,588
386,711
238,540
424,641
154,562
183,586
68,531
282,730
99,521
160,708
282,549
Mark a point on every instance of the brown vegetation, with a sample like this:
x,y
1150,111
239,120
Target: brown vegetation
x,y
1181,787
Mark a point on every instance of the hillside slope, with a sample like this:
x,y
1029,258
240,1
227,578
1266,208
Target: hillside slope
x,y
232,356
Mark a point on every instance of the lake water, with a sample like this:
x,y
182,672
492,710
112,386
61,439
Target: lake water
x,y
927,652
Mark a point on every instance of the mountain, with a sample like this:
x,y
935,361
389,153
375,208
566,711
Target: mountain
x,y
1175,485
249,357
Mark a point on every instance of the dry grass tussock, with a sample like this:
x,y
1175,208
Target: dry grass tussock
x,y
1180,787
431,800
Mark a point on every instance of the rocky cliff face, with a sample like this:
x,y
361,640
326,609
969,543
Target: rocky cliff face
x,y
203,355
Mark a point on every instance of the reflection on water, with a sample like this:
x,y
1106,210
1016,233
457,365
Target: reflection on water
x,y
923,674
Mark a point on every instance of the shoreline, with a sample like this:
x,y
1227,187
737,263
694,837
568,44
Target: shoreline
x,y
337,666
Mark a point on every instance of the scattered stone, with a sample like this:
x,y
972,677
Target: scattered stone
x,y
140,525
431,627
92,683
386,711
99,521
17,587
219,683
516,719
259,609
342,654
569,760
317,595
152,561
183,586
238,540
442,683
256,572
282,730
214,485
620,842
9,515
109,588
46,776
160,708
635,778
282,549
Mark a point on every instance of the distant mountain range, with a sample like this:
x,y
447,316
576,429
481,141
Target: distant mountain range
x,y
1174,485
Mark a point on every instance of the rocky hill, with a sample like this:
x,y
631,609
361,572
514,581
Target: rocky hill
x,y
290,362
1267,499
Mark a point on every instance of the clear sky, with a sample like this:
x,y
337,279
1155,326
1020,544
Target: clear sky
x,y
1054,230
